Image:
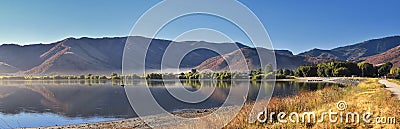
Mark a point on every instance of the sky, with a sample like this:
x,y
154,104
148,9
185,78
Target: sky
x,y
294,25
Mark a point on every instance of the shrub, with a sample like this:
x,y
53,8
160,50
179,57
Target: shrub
x,y
280,76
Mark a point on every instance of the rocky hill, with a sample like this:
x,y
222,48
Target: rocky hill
x,y
283,60
392,55
356,52
95,55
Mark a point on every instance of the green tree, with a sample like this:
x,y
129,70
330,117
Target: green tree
x,y
367,69
298,73
322,70
353,68
395,72
279,71
287,72
384,69
154,76
182,76
194,70
255,72
306,71
342,71
103,77
327,69
113,74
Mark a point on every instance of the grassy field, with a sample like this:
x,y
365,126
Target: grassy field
x,y
368,96
397,81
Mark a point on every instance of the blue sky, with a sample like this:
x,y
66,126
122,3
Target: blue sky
x,y
292,24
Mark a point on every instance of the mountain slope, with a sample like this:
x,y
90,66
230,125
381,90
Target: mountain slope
x,y
99,55
356,52
284,59
81,56
24,57
392,55
6,68
220,63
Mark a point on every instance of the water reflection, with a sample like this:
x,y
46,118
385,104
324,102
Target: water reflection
x,y
66,100
83,99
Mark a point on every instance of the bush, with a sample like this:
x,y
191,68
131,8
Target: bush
x,y
280,76
341,72
384,69
103,77
306,71
395,72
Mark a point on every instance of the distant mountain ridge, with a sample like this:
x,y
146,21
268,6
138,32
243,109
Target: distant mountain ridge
x,y
104,55
356,52
392,55
94,55
284,59
6,68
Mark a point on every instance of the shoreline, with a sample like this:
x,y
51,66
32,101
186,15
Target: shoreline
x,y
132,123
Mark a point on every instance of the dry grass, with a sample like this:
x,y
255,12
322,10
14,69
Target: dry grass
x,y
367,96
397,81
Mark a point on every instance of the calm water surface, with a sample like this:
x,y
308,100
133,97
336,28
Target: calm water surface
x,y
49,103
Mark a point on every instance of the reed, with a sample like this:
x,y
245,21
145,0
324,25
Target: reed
x,y
397,81
368,95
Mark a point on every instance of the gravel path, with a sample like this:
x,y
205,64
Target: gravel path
x,y
392,87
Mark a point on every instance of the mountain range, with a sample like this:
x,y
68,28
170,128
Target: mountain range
x,y
104,55
392,55
356,52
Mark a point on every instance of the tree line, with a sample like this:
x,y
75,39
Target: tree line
x,y
256,74
328,69
195,75
345,69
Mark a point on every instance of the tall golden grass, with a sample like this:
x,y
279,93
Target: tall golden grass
x,y
369,96
397,81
